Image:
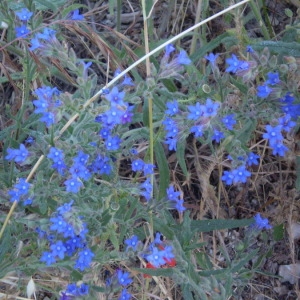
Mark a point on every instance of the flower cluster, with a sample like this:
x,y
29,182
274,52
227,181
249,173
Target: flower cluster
x,y
74,290
241,174
139,165
46,104
24,16
159,254
80,169
264,90
175,199
288,105
173,68
170,125
120,279
67,237
120,112
20,192
236,65
17,155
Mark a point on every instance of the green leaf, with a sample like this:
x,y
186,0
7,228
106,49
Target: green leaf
x,y
47,4
278,232
156,272
284,48
239,265
180,154
211,46
146,112
163,168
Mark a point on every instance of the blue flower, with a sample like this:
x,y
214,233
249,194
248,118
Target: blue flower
x,y
240,174
197,130
212,58
58,249
73,185
72,289
132,243
35,44
22,186
261,223
83,289
148,169
47,34
179,205
286,123
137,165
168,252
112,143
182,58
124,295
22,31
60,167
229,121
263,91
210,109
217,136
115,97
252,159
172,108
84,259
228,177
172,195
273,78
48,118
81,171
76,16
249,49
101,165
48,258
14,195
196,111
112,116
66,207
234,64
24,14
81,158
55,154
41,106
59,224
18,155
105,132
172,143
156,257
123,278
127,115
158,238
169,49
273,134
146,189
279,149
127,81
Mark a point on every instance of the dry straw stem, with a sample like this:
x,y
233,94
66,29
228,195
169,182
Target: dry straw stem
x,y
88,102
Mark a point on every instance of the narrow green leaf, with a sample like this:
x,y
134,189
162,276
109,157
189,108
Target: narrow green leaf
x,y
180,154
156,272
48,4
163,168
279,47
